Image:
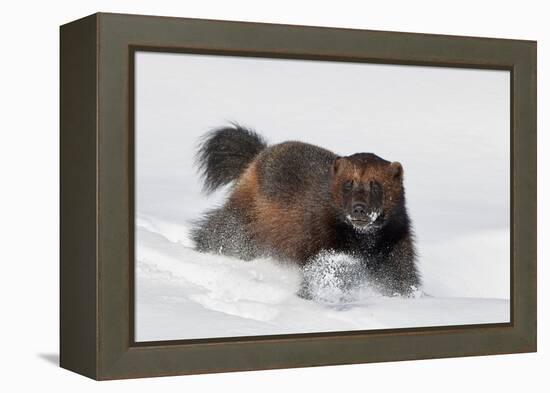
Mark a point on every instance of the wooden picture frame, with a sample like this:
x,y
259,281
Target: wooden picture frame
x,y
97,213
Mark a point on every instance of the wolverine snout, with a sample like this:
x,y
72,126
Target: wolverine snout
x,y
360,210
362,215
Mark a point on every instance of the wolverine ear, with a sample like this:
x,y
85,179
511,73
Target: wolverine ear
x,y
336,164
396,170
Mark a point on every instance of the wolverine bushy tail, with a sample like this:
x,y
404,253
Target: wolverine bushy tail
x,y
224,153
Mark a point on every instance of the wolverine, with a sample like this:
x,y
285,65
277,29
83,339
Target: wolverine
x,y
294,200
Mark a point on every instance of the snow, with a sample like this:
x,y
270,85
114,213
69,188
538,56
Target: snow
x,y
185,294
449,129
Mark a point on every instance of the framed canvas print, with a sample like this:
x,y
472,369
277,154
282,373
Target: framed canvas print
x,y
240,196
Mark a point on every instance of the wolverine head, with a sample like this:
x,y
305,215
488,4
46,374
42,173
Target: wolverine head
x,y
366,189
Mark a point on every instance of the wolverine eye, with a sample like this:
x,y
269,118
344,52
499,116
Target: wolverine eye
x,y
348,185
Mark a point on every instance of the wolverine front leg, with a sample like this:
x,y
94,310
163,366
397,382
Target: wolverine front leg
x,y
331,275
398,274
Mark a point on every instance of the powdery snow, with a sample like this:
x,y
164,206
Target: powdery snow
x,y
183,294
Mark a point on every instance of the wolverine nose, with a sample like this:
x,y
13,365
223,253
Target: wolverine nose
x,y
359,209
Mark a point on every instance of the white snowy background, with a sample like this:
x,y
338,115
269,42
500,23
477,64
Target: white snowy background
x,y
449,128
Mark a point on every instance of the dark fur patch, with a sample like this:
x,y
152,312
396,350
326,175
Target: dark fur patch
x,y
289,169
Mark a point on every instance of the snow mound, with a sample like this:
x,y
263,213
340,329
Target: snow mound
x,y
184,294
219,283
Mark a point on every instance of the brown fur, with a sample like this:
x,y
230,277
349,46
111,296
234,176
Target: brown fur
x,y
271,223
